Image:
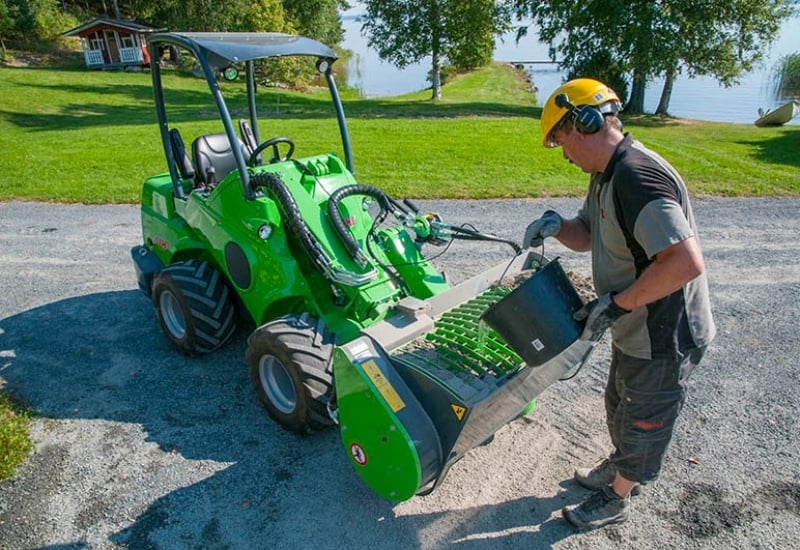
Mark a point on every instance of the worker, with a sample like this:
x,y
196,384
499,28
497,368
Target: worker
x,y
649,274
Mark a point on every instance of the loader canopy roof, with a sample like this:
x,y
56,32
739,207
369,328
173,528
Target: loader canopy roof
x,y
224,48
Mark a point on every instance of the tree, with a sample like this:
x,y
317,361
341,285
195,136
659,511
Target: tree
x,y
601,66
406,31
472,28
651,38
318,19
6,23
725,46
19,22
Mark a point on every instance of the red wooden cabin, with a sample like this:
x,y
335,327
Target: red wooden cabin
x,y
113,43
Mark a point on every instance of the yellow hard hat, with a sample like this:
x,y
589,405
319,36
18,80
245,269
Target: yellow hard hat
x,y
578,93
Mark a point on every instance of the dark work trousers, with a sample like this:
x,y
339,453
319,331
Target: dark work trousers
x,y
643,400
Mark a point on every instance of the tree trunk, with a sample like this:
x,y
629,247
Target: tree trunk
x,y
635,105
666,93
436,78
435,17
116,10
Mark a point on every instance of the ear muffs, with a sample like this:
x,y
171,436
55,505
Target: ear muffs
x,y
588,119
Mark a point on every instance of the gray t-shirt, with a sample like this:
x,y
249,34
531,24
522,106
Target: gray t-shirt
x,y
635,209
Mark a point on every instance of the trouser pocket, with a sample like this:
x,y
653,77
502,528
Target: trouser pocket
x,y
644,423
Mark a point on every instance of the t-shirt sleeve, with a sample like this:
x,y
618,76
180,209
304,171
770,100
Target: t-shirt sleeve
x,y
651,207
659,225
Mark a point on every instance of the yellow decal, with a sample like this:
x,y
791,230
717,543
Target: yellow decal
x,y
383,386
459,410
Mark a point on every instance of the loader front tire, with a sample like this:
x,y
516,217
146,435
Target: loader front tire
x,y
290,364
193,306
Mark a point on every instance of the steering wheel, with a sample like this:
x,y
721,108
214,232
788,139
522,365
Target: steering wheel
x,y
276,155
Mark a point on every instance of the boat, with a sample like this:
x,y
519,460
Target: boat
x,y
779,116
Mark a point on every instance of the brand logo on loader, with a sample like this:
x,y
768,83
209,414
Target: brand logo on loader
x,y
358,454
161,243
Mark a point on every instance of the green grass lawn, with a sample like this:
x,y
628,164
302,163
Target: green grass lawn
x,y
90,136
14,441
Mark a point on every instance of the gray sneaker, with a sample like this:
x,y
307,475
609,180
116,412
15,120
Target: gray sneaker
x,y
603,508
601,476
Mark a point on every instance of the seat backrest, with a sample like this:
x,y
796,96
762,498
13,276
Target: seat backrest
x,y
213,158
250,143
182,160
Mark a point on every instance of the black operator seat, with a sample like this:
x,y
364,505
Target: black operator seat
x,y
182,161
213,158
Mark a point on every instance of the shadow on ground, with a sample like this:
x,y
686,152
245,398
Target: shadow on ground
x,y
101,359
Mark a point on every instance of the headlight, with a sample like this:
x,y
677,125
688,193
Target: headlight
x,y
264,232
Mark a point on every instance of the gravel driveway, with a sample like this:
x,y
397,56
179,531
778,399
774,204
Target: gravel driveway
x,y
139,447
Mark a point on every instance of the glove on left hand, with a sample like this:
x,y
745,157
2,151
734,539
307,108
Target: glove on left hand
x,y
600,314
549,225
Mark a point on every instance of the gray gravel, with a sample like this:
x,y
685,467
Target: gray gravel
x,y
138,447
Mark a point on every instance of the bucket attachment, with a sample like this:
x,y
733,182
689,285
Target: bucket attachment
x,y
416,392
536,317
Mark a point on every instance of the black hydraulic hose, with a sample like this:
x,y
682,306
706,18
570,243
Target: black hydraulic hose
x,y
297,225
335,216
472,235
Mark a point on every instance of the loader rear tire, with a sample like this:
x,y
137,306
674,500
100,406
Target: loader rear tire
x,y
290,364
193,306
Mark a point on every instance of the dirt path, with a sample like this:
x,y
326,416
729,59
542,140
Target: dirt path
x,y
137,447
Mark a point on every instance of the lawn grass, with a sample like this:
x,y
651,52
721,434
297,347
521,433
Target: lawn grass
x,y
14,441
72,135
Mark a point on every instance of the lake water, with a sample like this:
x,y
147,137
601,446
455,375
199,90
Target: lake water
x,y
699,98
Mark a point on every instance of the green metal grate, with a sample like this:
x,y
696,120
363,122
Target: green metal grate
x,y
463,344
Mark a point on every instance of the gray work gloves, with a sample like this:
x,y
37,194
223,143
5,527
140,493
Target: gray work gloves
x,y
547,226
600,314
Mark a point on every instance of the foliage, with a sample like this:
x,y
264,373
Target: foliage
x,y
318,19
17,20
14,441
601,66
787,77
49,20
720,38
406,31
472,28
6,23
33,24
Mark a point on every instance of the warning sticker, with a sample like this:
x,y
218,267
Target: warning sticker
x,y
358,454
459,410
383,386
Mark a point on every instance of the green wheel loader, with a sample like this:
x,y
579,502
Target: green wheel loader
x,y
355,327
